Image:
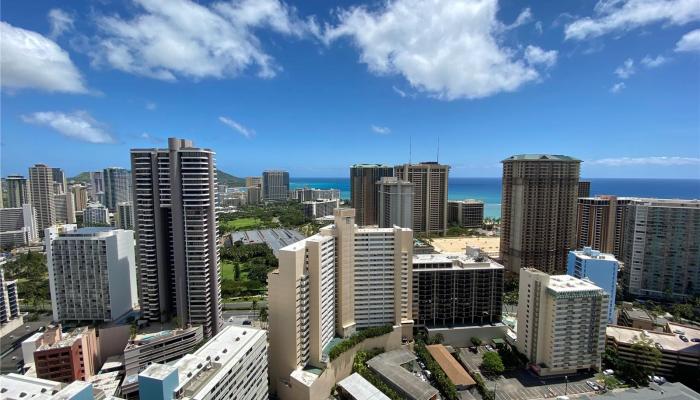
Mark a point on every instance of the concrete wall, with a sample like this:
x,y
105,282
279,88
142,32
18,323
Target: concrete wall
x,y
113,340
337,370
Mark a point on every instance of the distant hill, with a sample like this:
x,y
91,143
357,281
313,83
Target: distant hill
x,y
229,180
83,177
222,177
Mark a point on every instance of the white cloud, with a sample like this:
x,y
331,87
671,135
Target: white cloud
x,y
523,18
151,106
78,125
538,27
625,15
626,70
662,161
536,56
382,130
148,137
60,22
181,38
689,42
653,62
30,60
399,91
449,49
617,88
247,132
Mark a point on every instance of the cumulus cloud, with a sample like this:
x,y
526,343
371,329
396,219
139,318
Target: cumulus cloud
x,y
181,38
662,161
247,132
30,60
536,56
60,22
449,49
689,42
523,18
617,88
78,125
382,130
625,15
653,62
626,70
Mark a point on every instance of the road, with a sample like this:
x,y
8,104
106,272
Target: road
x,y
245,305
11,344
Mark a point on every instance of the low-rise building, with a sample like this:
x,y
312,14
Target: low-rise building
x,y
158,347
67,357
676,352
466,213
319,208
233,364
95,214
389,368
453,369
22,387
125,215
456,289
355,387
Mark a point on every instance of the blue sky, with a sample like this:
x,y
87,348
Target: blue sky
x,y
318,85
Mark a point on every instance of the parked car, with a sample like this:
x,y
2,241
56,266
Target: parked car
x,y
489,348
683,338
593,385
695,340
608,372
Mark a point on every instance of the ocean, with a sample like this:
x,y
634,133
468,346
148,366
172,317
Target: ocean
x,y
488,190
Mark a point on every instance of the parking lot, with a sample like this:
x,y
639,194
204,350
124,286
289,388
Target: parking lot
x,y
525,385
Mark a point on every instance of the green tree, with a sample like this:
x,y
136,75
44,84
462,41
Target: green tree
x,y
683,311
237,271
475,341
492,363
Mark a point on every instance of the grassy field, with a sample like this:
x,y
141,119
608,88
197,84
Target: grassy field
x,y
227,270
242,224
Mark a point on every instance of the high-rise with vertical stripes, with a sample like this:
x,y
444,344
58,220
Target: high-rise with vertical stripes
x,y
41,192
117,183
176,227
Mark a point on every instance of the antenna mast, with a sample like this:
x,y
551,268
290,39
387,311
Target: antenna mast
x,y
438,150
410,149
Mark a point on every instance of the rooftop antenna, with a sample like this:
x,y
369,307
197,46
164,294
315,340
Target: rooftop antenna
x,y
438,151
410,149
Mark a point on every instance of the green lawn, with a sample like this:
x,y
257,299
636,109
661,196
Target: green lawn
x,y
242,224
227,270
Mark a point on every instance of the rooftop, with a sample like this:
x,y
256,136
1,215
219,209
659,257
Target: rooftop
x,y
692,203
67,339
388,365
360,388
370,166
459,261
567,283
147,338
667,391
158,371
589,254
13,385
669,340
453,369
540,157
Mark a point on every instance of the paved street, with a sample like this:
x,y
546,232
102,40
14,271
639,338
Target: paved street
x,y
11,344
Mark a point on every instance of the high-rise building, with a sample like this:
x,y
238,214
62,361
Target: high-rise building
x,y
64,208
17,226
95,214
429,195
232,365
275,185
561,322
395,203
251,181
17,189
456,289
9,301
600,268
117,183
174,192
538,211
67,357
340,280
80,196
97,186
584,189
254,195
92,274
41,194
319,208
125,215
364,192
311,194
600,223
466,213
661,250
59,180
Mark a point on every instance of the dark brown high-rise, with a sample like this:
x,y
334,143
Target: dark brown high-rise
x,y
429,181
364,191
538,211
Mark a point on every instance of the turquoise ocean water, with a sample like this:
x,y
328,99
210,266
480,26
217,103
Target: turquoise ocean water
x,y
489,189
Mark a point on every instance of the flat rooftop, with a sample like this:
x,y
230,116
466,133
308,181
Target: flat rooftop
x,y
567,283
667,391
669,341
361,389
274,238
13,385
67,339
158,371
148,338
459,261
588,254
388,366
541,157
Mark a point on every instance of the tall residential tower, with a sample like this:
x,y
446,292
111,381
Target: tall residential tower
x,y
275,185
174,193
364,191
41,192
429,195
